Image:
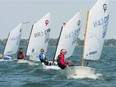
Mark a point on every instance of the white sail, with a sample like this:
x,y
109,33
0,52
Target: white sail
x,y
96,30
40,36
13,40
69,36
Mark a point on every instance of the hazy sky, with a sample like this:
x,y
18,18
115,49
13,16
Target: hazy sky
x,y
12,12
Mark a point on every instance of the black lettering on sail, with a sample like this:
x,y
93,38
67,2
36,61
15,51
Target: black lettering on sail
x,y
104,7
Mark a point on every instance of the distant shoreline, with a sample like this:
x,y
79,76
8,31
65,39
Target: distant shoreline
x,y
53,42
103,46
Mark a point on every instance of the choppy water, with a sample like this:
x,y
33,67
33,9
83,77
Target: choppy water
x,y
13,74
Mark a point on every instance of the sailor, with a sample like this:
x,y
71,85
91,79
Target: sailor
x,y
5,57
1,56
43,58
20,54
61,59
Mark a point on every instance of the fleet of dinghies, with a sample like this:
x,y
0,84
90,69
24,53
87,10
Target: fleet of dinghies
x,y
38,39
95,33
67,39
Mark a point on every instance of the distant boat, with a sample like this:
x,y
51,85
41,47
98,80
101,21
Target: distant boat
x,y
95,33
67,39
39,37
12,43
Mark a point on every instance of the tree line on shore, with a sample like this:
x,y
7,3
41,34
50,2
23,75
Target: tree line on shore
x,y
53,42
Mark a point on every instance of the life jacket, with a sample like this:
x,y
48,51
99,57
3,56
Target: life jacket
x,y
61,60
42,57
21,56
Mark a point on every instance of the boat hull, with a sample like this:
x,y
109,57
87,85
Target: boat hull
x,y
22,61
53,66
80,71
34,58
6,58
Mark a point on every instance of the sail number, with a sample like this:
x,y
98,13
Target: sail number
x,y
46,33
74,35
15,38
38,34
102,22
105,26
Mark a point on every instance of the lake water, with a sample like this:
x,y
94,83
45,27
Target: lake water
x,y
13,74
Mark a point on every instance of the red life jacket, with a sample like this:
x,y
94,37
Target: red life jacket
x,y
61,60
21,56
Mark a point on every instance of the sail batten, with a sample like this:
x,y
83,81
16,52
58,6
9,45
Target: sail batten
x,y
97,29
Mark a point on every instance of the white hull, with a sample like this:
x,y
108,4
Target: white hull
x,y
80,71
54,67
34,58
6,58
22,61
26,61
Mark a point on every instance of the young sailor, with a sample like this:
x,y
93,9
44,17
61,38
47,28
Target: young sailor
x,y
20,54
43,58
61,59
1,56
5,57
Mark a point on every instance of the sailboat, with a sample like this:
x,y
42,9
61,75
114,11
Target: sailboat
x,y
67,39
39,37
12,43
95,33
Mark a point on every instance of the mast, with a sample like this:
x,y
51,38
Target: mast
x,y
57,43
86,28
29,39
6,43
